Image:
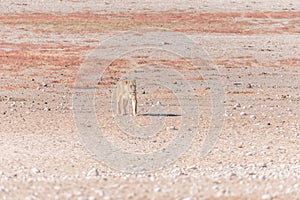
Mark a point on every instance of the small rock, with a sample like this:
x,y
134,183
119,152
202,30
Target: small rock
x,y
243,113
100,193
237,83
264,165
35,170
281,148
249,153
237,105
233,175
157,189
152,179
252,117
220,193
91,198
266,197
158,103
169,128
262,177
177,172
93,172
56,187
249,85
193,167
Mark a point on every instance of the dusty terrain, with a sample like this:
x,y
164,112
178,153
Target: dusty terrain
x,y
254,47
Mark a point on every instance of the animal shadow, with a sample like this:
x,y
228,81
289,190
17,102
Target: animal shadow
x,y
160,115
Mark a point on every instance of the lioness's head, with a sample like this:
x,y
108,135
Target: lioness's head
x,y
131,85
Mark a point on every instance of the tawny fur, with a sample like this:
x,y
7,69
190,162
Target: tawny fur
x,y
126,89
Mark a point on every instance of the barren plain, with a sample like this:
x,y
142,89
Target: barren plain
x,y
254,46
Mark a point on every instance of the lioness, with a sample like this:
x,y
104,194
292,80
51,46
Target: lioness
x,y
126,89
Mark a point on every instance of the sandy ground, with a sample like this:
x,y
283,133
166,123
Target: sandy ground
x,y
253,48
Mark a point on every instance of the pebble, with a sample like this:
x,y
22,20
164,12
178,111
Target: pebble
x,y
171,128
152,179
93,172
91,198
237,105
266,197
243,113
249,153
262,177
264,165
35,170
177,172
157,189
237,83
193,167
221,193
233,175
158,103
252,116
56,187
100,193
249,85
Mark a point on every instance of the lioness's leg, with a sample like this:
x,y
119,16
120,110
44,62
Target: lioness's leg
x,y
119,105
124,106
134,106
